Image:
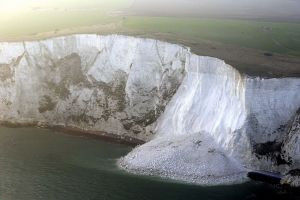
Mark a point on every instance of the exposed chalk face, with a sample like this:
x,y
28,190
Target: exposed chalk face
x,y
211,99
236,112
139,88
115,84
291,143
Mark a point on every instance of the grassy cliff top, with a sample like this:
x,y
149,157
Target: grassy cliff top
x,y
255,47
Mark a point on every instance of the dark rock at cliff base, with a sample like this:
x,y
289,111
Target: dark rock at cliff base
x,y
292,178
267,177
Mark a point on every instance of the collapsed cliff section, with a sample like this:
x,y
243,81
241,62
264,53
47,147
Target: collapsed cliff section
x,y
239,115
115,84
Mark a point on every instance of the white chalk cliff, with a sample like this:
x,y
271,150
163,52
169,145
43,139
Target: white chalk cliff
x,y
115,84
208,124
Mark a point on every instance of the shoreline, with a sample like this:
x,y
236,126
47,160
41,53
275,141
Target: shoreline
x,y
98,135
208,180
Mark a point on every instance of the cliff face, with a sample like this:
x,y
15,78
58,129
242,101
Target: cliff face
x,y
238,112
243,117
115,84
290,151
208,119
291,142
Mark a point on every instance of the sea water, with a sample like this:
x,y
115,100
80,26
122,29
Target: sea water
x,y
41,164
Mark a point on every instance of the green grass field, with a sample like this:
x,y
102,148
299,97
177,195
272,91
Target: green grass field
x,y
282,38
47,21
46,16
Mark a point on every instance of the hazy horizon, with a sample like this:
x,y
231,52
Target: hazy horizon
x,y
274,9
268,9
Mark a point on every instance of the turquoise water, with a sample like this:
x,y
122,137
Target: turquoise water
x,y
44,164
